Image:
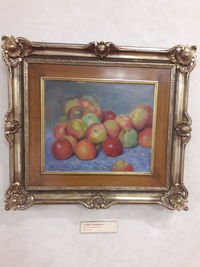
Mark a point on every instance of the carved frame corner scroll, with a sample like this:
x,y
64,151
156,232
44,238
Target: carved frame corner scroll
x,y
184,57
17,198
179,59
176,198
15,49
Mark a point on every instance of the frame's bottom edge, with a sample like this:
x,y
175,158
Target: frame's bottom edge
x,y
19,199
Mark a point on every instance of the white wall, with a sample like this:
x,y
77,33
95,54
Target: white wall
x,y
148,235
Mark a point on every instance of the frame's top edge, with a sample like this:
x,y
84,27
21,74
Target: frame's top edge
x,y
12,42
16,48
84,46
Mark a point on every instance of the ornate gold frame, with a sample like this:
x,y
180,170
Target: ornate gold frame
x,y
181,59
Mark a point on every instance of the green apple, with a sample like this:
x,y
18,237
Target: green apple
x,y
97,133
76,128
90,118
128,137
139,117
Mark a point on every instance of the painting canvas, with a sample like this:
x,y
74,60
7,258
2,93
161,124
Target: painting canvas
x,y
93,125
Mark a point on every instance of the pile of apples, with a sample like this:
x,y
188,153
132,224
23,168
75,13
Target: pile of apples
x,y
84,128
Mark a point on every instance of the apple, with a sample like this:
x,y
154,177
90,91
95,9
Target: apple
x,y
122,166
61,149
75,102
90,98
128,137
94,108
97,133
112,128
109,115
90,118
145,137
112,147
124,121
72,141
85,102
75,113
85,150
139,117
76,128
59,130
149,109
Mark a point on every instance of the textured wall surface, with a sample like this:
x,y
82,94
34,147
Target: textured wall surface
x,y
148,235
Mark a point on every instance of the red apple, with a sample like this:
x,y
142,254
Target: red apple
x,y
61,149
150,113
60,130
124,121
85,150
122,166
139,117
145,137
94,108
72,141
97,133
75,113
112,147
112,128
109,115
90,98
85,102
76,128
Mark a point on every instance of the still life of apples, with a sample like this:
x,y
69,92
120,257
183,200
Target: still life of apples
x,y
84,128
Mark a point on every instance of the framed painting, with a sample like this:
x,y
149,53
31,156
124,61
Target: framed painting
x,y
96,124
